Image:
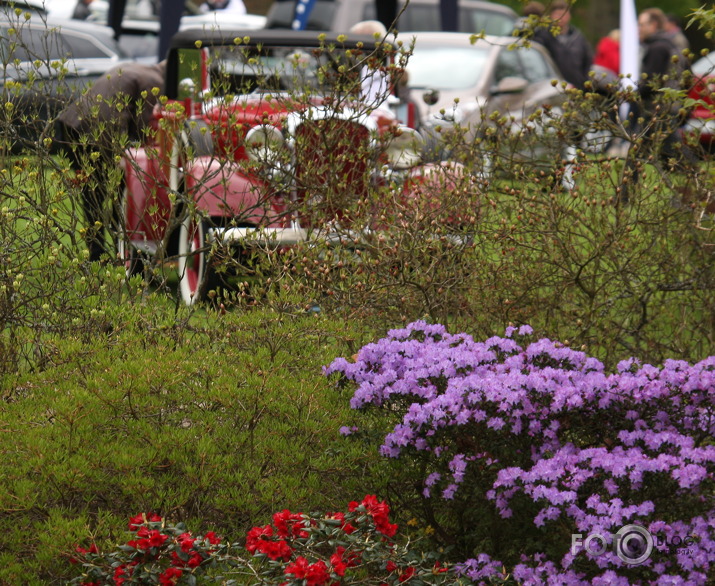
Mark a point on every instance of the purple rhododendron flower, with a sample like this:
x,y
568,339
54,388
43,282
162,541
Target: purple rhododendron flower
x,y
547,425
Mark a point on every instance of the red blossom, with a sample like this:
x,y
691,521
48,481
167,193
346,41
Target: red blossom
x,y
255,535
142,518
186,541
121,575
340,563
346,527
149,538
290,524
407,574
195,560
170,576
212,538
439,568
82,551
379,511
314,574
259,541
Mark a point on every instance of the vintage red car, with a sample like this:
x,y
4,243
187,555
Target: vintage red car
x,y
267,138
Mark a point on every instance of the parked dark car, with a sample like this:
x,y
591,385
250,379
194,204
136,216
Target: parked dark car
x,y
474,16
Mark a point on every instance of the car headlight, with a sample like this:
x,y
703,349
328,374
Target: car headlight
x,y
405,148
263,143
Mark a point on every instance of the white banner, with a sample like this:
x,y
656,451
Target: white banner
x,y
629,54
629,50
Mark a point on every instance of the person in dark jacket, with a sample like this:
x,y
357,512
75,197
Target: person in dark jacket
x,y
97,127
566,44
658,51
662,66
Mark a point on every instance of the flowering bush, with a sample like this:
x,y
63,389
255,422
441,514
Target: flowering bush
x,y
157,554
568,458
343,548
352,547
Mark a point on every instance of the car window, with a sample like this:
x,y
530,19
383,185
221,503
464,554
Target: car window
x,y
444,67
492,23
425,17
84,47
508,65
535,66
320,19
420,18
30,44
241,70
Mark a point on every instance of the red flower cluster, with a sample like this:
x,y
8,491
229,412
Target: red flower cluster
x,y
346,527
340,563
142,518
291,534
289,524
379,512
154,543
314,574
148,538
259,541
170,576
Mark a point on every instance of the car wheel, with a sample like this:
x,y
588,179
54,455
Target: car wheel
x,y
195,272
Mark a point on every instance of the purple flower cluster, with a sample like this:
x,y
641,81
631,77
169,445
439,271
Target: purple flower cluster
x,y
592,451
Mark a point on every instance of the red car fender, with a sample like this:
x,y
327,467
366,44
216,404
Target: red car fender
x,y
148,207
222,189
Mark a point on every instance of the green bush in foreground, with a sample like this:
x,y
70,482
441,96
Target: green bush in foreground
x,y
217,425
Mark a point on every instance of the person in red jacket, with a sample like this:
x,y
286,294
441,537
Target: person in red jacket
x,y
608,52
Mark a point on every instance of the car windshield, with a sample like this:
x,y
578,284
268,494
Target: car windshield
x,y
446,68
283,68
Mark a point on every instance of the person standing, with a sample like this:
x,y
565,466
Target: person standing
x,y
566,44
657,55
531,12
374,83
97,127
608,52
672,27
660,69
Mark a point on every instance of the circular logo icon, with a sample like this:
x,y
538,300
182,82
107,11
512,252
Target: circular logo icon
x,y
634,544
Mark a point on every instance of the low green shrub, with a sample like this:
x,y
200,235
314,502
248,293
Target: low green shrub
x,y
216,425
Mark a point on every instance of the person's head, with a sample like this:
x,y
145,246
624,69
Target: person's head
x,y
650,22
560,13
672,23
369,27
533,8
